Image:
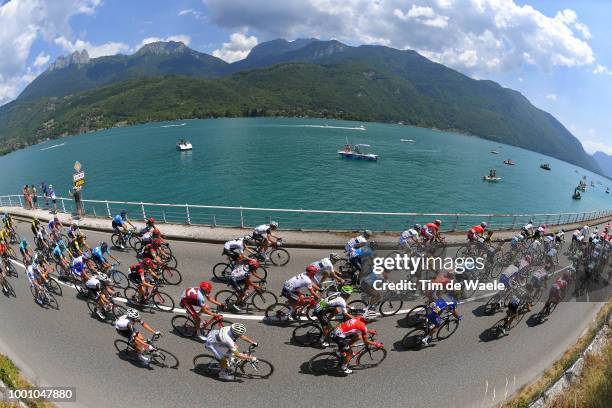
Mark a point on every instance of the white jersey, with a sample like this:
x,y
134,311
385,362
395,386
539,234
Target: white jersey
x,y
240,272
122,323
333,301
297,282
32,273
261,230
408,235
354,241
234,244
584,231
93,283
222,337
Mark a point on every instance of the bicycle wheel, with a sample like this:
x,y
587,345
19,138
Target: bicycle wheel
x,y
279,256
170,261
206,364
118,310
262,272
416,315
226,297
184,326
116,240
413,339
8,288
135,243
119,279
81,289
50,301
163,301
261,300
54,287
324,363
390,307
164,359
307,334
11,253
259,369
122,346
222,271
359,306
278,313
493,304
11,270
131,294
15,238
370,357
171,275
447,329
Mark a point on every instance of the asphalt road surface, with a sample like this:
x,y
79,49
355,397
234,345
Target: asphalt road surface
x,y
68,347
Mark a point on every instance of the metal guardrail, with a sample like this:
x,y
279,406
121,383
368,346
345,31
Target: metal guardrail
x,y
294,219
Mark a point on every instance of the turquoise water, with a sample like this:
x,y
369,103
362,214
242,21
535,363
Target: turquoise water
x,y
292,163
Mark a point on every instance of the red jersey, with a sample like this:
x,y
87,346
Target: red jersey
x,y
432,227
351,328
193,296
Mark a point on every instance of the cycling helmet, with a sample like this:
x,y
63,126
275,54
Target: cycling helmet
x,y
133,314
346,289
311,269
104,246
367,233
273,224
148,262
24,242
150,221
85,255
238,329
483,224
61,243
253,264
206,287
247,238
123,213
437,222
369,315
417,227
333,257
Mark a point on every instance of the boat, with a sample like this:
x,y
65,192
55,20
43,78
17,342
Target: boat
x,y
491,179
607,190
545,166
576,195
508,162
592,184
582,186
358,151
494,152
407,140
184,145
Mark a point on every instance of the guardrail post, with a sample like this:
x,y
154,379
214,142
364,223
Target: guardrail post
x,y
63,206
144,214
241,218
20,204
108,209
94,211
164,216
10,202
559,220
214,220
188,216
513,223
456,223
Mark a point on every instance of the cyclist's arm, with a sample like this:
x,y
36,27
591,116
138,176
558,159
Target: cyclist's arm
x,y
206,308
149,328
248,339
313,291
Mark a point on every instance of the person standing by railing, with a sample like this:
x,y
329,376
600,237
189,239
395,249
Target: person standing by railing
x,y
34,197
53,198
26,197
43,188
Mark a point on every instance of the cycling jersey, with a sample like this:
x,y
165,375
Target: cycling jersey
x,y
437,307
407,236
51,224
297,282
32,273
353,242
359,252
330,303
78,266
58,251
118,220
93,283
240,272
123,324
98,253
222,337
136,273
261,231
234,244
23,246
324,265
193,296
3,235
350,328
475,232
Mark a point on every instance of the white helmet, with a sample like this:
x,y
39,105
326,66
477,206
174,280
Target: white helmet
x,y
238,329
273,224
369,315
133,314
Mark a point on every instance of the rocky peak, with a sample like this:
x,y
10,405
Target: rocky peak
x,y
164,48
76,58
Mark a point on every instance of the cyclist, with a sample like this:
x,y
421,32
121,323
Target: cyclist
x,y
25,250
78,245
73,231
443,304
476,233
120,226
540,232
55,226
77,267
291,289
97,285
431,230
153,251
358,241
325,269
226,337
59,254
356,257
327,308
197,297
557,290
519,297
528,229
346,334
560,237
137,273
235,248
97,255
240,280
263,234
8,222
150,232
34,277
410,236
35,225
40,238
125,326
4,235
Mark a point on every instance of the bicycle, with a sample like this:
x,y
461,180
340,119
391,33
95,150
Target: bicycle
x,y
259,299
330,362
154,299
158,356
210,365
125,239
169,275
6,286
45,298
184,326
223,270
111,310
280,313
277,255
413,340
500,328
389,304
9,268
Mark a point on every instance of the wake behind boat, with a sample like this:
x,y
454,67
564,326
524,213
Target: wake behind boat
x,y
407,140
184,145
53,147
358,151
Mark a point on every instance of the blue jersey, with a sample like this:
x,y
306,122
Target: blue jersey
x,y
58,251
118,220
23,245
359,252
77,266
98,253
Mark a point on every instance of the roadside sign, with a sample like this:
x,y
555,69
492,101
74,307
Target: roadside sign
x,y
78,178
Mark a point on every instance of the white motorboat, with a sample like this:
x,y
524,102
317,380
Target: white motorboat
x,y
184,145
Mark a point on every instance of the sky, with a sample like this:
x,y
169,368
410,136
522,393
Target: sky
x,y
556,52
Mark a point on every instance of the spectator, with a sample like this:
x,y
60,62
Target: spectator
x,y
26,197
43,188
76,192
34,197
53,197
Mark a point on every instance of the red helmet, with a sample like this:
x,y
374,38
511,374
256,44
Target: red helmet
x,y
150,221
148,262
156,242
205,286
253,264
437,222
311,269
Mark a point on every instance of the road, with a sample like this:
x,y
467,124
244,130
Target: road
x,y
67,347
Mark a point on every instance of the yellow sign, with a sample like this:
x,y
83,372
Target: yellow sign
x,y
79,183
77,166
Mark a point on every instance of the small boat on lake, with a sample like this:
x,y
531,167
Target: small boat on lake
x,y
358,151
494,152
576,195
508,162
184,145
607,190
491,179
545,166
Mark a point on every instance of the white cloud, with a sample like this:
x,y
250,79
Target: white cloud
x,y
22,23
191,12
552,97
601,69
94,51
478,36
593,146
237,48
41,59
520,79
185,39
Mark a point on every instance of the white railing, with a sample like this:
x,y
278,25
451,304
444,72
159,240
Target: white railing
x,y
295,219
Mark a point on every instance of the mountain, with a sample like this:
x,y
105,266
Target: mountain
x,y
77,72
605,162
302,77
